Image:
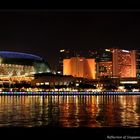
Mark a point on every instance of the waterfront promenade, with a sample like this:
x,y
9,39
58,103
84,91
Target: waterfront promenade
x,y
69,93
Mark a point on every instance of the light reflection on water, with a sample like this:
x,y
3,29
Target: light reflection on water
x,y
70,111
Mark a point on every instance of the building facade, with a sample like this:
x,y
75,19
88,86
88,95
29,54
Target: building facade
x,y
115,62
64,54
79,67
138,64
124,63
19,66
112,62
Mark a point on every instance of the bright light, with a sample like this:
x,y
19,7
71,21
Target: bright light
x,y
40,72
107,50
125,51
62,50
135,90
46,83
128,82
77,84
37,84
121,87
81,59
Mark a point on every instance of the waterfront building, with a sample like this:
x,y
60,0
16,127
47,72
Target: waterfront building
x,y
67,54
138,64
112,62
124,63
17,66
64,54
52,80
79,67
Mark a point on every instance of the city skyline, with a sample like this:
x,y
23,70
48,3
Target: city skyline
x,y
45,32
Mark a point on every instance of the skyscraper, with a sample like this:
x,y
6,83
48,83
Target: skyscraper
x,y
138,63
115,62
64,54
124,63
112,62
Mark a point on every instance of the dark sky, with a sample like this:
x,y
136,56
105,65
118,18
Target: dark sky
x,y
44,32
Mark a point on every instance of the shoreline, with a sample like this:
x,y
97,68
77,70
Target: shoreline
x,y
68,93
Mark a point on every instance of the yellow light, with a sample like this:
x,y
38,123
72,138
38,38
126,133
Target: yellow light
x,y
128,82
107,50
62,50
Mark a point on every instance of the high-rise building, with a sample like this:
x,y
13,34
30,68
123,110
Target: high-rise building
x,y
64,54
79,67
114,62
103,58
100,55
109,62
104,69
124,63
138,63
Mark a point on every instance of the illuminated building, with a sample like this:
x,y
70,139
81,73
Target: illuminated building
x,y
124,63
64,54
51,80
109,62
100,55
103,58
19,66
115,62
138,64
79,67
104,69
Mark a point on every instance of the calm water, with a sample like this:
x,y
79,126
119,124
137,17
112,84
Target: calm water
x,y
70,111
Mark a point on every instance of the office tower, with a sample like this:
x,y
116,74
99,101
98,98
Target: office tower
x,y
115,62
138,63
69,53
124,63
64,54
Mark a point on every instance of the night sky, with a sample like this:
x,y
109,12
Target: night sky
x,y
44,32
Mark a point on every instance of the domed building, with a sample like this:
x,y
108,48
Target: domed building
x,y
20,66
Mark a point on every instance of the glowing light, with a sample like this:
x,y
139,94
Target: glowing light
x,y
77,84
37,84
125,51
121,87
62,50
135,90
128,82
46,83
107,50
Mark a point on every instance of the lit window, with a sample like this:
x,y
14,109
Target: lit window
x,y
46,83
37,84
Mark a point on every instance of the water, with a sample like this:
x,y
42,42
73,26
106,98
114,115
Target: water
x,y
70,111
